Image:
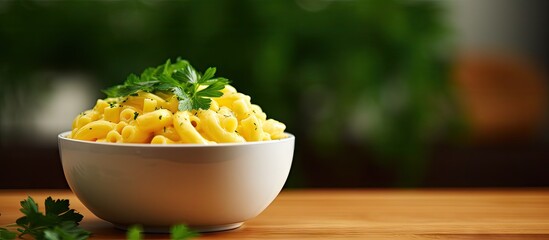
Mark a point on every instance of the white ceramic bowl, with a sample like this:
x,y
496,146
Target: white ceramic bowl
x,y
208,187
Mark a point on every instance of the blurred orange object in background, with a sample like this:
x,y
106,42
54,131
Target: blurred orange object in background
x,y
503,96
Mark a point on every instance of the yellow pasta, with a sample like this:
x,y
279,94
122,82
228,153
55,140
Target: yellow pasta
x,y
274,128
171,104
112,114
133,134
169,132
212,128
120,125
159,139
186,130
134,101
113,136
151,96
100,106
241,108
251,129
128,114
81,121
149,105
154,118
94,130
229,124
259,113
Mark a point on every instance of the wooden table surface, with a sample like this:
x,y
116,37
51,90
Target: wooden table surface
x,y
359,214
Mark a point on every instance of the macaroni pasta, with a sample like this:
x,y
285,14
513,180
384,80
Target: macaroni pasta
x,y
154,118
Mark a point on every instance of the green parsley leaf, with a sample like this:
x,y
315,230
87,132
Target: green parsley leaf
x,y
57,214
134,233
60,208
186,105
66,231
5,234
147,74
190,75
179,78
61,223
201,102
210,72
177,232
181,232
214,89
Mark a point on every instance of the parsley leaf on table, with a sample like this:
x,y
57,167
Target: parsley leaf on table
x,y
61,223
59,220
60,208
134,233
193,91
5,234
177,232
181,232
66,231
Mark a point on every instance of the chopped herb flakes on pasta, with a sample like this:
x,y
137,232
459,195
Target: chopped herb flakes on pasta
x,y
173,103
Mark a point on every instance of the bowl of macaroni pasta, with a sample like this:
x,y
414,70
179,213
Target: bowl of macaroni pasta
x,y
155,158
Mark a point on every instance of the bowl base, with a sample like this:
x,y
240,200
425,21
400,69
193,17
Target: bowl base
x,y
200,229
217,228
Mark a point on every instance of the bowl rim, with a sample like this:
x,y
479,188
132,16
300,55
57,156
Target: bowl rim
x,y
63,136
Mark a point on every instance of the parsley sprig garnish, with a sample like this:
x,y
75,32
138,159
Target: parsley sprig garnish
x,y
61,223
193,90
6,234
177,232
58,222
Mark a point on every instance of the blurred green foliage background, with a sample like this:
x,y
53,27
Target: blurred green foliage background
x,y
362,84
339,74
